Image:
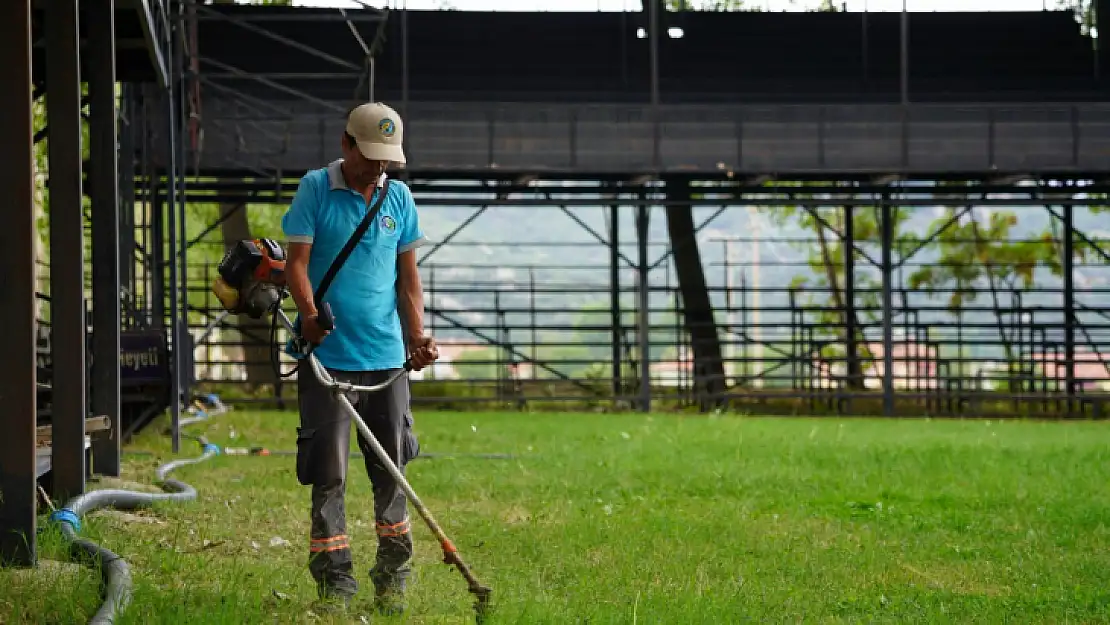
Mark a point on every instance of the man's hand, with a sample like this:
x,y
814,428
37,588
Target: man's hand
x,y
423,352
311,330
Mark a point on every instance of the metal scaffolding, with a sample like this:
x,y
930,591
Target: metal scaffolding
x,y
61,389
798,350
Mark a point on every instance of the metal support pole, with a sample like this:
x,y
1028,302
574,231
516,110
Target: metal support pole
x,y
886,267
1068,262
653,46
865,55
170,101
184,377
405,60
370,79
615,295
18,538
157,264
103,181
904,55
126,187
1102,9
850,347
67,263
643,312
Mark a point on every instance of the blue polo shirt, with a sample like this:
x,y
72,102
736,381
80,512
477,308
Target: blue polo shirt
x,y
363,295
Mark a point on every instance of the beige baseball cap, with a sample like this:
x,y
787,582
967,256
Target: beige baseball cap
x,y
378,131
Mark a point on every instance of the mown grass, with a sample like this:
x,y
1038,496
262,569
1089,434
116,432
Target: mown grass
x,y
633,519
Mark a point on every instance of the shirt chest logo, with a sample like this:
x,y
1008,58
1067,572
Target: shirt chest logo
x,y
388,224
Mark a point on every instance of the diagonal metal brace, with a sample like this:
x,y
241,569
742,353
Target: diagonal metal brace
x,y
274,85
1082,236
593,232
265,32
929,239
452,235
216,224
824,223
251,102
692,239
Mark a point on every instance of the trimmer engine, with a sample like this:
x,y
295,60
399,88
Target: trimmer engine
x,y
251,276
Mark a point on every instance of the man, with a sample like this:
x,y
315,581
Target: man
x,y
378,281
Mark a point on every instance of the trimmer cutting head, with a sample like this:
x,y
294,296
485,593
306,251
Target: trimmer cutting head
x,y
482,605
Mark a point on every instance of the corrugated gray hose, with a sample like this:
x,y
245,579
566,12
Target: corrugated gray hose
x,y
114,570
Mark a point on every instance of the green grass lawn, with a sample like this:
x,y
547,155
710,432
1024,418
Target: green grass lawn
x,y
633,519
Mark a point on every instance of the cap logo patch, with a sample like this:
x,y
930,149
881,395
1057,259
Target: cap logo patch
x,y
387,127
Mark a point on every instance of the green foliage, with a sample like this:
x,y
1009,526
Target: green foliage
x,y
1084,12
971,253
1087,249
827,259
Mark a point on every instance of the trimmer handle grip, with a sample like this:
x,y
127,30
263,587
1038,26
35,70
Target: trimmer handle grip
x,y
325,319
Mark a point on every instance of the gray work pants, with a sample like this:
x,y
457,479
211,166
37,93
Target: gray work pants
x,y
323,443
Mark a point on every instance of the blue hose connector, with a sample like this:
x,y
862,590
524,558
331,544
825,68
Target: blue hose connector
x,y
65,515
213,398
212,448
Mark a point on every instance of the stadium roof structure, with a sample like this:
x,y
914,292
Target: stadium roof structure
x,y
584,94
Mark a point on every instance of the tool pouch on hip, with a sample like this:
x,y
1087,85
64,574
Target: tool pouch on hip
x,y
304,456
410,447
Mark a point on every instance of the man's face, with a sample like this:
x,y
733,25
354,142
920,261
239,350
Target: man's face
x,y
365,171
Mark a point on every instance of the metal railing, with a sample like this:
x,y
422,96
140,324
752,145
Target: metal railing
x,y
535,345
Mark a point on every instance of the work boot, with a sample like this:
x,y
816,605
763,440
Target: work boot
x,y
390,601
333,604
390,576
332,600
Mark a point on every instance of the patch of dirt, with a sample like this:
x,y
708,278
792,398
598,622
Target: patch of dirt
x,y
515,514
54,571
954,580
130,517
119,483
597,556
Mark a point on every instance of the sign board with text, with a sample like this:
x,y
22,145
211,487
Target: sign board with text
x,y
144,357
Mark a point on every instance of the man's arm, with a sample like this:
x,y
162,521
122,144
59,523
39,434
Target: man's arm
x,y
299,226
296,278
410,298
410,292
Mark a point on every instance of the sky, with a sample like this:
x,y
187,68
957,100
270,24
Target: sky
x,y
634,5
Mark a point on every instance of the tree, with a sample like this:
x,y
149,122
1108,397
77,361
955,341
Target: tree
x,y
972,252
1084,12
828,261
